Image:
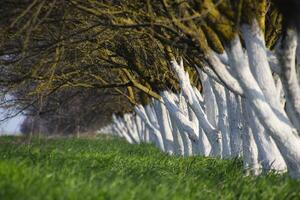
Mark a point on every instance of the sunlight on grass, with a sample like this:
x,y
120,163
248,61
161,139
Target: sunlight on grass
x,y
113,169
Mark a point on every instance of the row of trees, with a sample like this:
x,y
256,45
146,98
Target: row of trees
x,y
53,67
247,48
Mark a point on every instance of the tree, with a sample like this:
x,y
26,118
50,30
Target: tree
x,y
243,51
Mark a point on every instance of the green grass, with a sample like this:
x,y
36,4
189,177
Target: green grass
x,y
112,169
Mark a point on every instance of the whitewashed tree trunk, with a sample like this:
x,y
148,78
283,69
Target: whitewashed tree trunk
x,y
130,127
204,145
224,74
146,134
140,110
211,110
188,144
287,58
280,91
154,138
134,127
283,134
177,138
250,151
196,145
151,115
222,118
165,126
121,126
234,116
179,117
194,103
139,126
269,155
298,58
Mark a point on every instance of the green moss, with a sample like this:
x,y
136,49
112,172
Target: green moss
x,y
254,9
213,39
218,22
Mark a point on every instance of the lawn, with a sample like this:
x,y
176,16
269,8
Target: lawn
x,y
109,168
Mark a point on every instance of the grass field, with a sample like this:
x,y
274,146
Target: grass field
x,y
107,168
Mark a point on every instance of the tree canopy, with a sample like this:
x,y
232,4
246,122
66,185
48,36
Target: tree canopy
x,y
53,49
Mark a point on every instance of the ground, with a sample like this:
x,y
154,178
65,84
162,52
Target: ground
x,y
110,168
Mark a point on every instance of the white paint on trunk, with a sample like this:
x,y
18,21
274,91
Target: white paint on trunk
x,y
222,72
165,126
222,118
234,116
287,58
193,102
284,136
211,110
140,110
269,155
250,151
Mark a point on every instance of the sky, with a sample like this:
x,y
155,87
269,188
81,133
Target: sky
x,y
11,126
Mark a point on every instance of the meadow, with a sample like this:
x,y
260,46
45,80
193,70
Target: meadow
x,y
110,168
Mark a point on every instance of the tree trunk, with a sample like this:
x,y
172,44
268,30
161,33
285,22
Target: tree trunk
x,y
284,136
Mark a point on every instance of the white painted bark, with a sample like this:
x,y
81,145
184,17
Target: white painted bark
x,y
268,136
269,155
240,120
188,143
197,145
139,126
224,75
273,62
164,125
280,91
199,97
133,126
284,136
123,130
272,59
211,110
179,117
209,72
222,118
140,110
151,114
193,102
154,138
210,104
205,146
129,128
258,62
146,134
177,138
298,58
116,131
287,58
250,151
202,146
234,123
